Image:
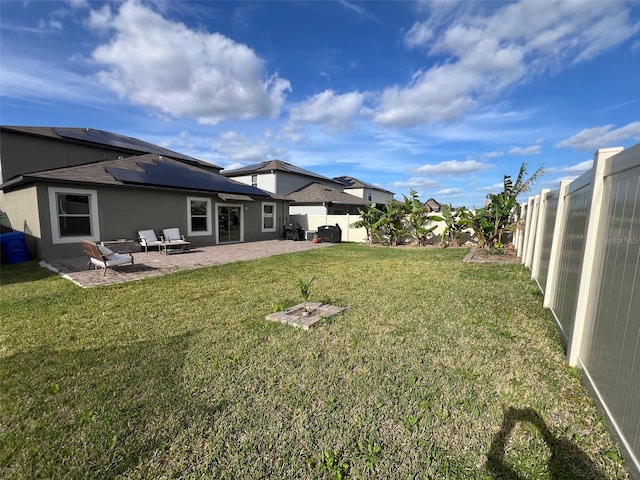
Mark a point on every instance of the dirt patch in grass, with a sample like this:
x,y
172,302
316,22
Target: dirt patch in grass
x,y
480,255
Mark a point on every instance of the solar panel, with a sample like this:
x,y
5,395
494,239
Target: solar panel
x,y
170,174
117,141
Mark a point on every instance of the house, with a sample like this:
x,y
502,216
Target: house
x,y
311,193
62,185
365,191
279,177
319,199
433,205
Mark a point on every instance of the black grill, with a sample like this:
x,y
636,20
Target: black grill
x,y
293,231
330,233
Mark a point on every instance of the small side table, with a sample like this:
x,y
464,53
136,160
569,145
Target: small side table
x,y
168,247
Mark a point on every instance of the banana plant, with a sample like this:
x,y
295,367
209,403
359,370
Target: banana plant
x,y
454,223
391,223
503,206
368,221
416,219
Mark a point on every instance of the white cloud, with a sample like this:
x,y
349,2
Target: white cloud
x,y
532,150
416,182
331,109
22,78
601,137
101,19
453,167
450,192
78,3
487,53
234,166
418,34
571,169
236,146
181,72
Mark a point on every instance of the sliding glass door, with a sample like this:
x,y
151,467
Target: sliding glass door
x,y
229,223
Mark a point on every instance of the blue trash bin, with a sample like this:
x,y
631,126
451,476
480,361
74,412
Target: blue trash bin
x,y
14,247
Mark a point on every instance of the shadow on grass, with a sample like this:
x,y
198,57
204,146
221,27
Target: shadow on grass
x,y
567,460
96,413
23,272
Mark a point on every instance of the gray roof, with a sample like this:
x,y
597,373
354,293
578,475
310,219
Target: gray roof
x,y
113,140
316,193
351,182
277,166
144,171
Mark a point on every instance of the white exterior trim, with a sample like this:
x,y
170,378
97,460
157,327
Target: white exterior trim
x,y
273,216
56,238
237,205
190,232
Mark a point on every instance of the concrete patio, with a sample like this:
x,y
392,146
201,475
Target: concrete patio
x,y
154,263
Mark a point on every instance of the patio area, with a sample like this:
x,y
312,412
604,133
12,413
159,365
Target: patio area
x,y
154,263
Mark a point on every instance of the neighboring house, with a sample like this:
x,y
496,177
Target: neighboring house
x,y
279,177
311,194
365,191
61,185
434,206
318,199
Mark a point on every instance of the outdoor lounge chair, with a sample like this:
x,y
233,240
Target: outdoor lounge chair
x,y
147,238
101,257
173,235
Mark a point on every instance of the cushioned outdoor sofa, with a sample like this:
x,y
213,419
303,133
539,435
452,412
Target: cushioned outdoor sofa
x,y
101,257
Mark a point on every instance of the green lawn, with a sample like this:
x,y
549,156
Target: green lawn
x,y
439,369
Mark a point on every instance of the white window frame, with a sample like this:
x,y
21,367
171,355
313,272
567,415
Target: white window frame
x,y
56,238
235,205
369,195
254,177
264,215
198,233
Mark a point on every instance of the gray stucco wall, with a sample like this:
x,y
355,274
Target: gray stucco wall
x,y
289,182
21,153
124,211
21,214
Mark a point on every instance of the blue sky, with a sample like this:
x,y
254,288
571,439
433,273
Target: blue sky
x,y
441,97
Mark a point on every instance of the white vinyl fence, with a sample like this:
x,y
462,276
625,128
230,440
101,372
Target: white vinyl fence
x,y
582,243
349,234
312,222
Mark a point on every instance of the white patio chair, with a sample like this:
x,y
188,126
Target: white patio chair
x,y
147,238
172,235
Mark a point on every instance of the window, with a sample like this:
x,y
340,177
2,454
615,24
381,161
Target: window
x,y
254,180
74,215
199,216
369,195
268,217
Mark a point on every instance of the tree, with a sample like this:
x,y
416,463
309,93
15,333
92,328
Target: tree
x,y
390,223
416,217
502,207
368,220
454,223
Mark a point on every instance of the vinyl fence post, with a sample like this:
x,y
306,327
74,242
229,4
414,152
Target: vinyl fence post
x,y
533,235
556,246
524,214
592,254
527,230
537,247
